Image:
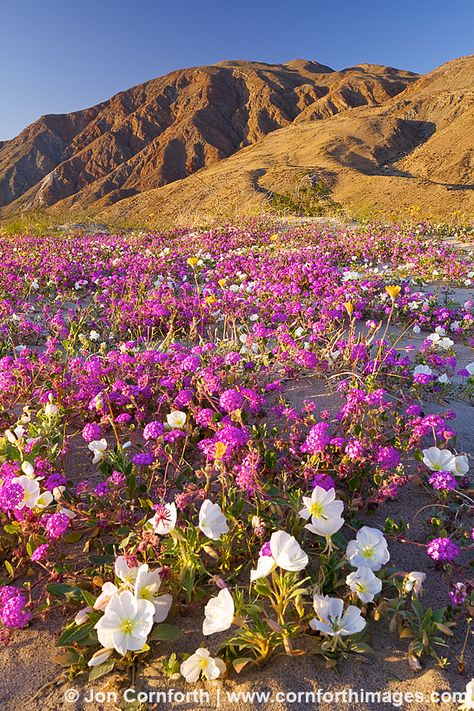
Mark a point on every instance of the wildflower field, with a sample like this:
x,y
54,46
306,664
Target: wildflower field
x,y
223,450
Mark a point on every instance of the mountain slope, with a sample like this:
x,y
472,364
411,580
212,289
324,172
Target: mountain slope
x,y
170,127
415,149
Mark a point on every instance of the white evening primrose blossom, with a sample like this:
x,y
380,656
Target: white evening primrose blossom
x,y
219,613
147,584
176,419
28,469
126,623
16,435
31,491
364,583
201,663
414,582
461,465
108,591
284,552
98,448
212,521
324,510
125,572
368,550
164,520
333,620
468,701
422,370
99,657
439,460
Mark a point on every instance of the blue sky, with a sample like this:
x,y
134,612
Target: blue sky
x,y
62,56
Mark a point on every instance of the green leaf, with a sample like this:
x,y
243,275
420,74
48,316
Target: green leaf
x,y
72,537
9,568
240,663
164,633
70,592
88,598
101,670
67,659
75,633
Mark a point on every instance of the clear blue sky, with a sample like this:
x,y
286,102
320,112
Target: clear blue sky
x,y
58,56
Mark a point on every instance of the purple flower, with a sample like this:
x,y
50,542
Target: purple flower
x,y
11,496
143,459
354,449
231,400
387,457
153,430
205,416
123,419
91,432
12,602
41,552
56,525
442,481
459,594
317,439
443,550
324,481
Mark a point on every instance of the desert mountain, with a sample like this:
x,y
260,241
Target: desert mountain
x,y
168,128
414,150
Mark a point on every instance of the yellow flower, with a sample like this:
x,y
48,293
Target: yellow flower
x,y
192,261
222,282
210,299
221,449
349,307
274,237
393,291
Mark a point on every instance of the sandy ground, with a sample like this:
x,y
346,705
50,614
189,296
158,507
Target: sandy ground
x,y
28,668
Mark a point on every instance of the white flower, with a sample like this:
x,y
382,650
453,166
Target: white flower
x,y
286,553
125,573
164,519
422,370
176,419
414,581
443,379
470,368
468,701
147,585
439,459
199,663
51,409
126,623
16,435
332,619
108,591
28,469
44,500
83,615
98,447
94,335
31,491
368,550
461,465
219,613
99,657
212,521
437,340
325,512
364,583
